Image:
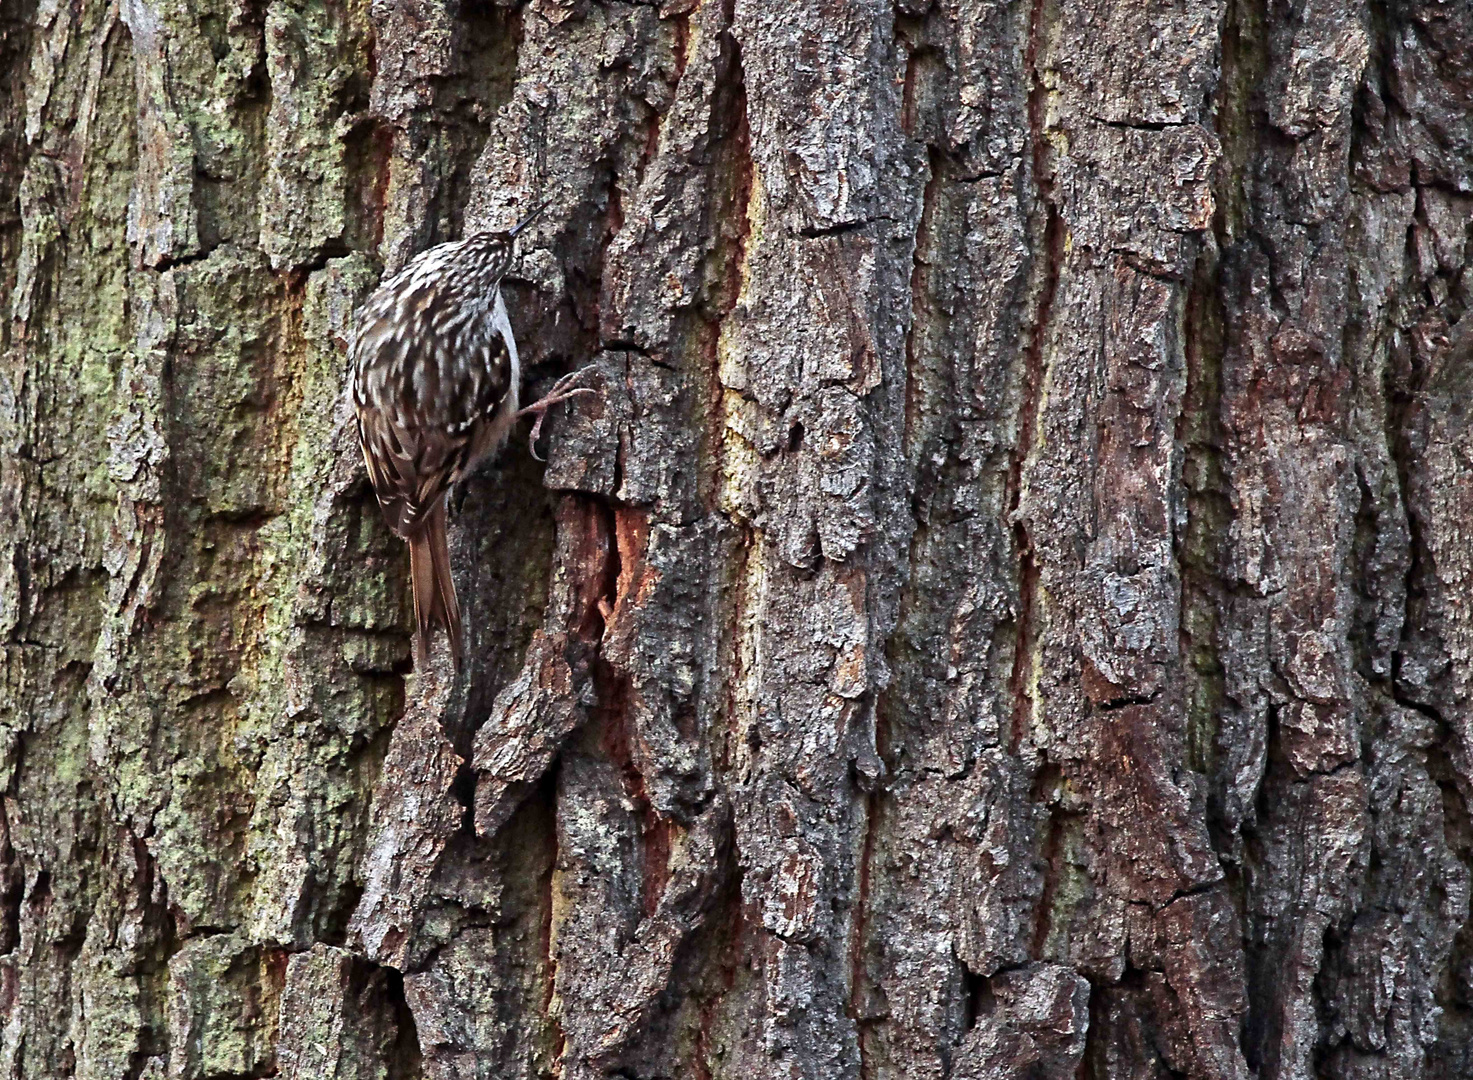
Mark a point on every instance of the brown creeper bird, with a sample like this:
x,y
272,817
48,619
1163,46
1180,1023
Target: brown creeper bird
x,y
436,382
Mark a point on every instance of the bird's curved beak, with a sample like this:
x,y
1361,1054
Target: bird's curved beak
x,y
531,217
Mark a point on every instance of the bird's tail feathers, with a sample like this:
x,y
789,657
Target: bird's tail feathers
x,y
434,589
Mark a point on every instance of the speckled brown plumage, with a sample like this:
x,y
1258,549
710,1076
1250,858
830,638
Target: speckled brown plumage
x,y
435,388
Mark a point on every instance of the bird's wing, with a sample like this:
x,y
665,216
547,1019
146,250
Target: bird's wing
x,y
410,469
430,374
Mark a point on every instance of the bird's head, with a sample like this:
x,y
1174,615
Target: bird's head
x,y
498,248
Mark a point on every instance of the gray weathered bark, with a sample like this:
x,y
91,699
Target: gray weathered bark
x,y
1009,614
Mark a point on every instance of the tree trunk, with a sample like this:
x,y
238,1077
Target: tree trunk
x,y
1008,614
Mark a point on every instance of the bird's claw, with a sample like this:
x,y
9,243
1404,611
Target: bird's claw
x,y
562,390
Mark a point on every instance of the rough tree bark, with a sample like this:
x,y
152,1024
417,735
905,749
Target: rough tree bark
x,y
1009,614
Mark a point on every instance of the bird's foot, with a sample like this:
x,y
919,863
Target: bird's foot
x,y
562,390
